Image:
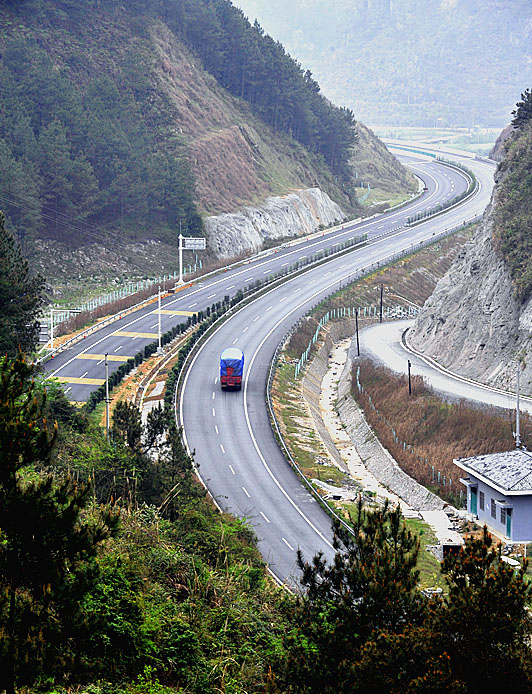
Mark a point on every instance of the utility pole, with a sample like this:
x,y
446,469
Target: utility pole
x,y
159,349
517,431
409,378
180,255
52,329
382,291
106,398
356,325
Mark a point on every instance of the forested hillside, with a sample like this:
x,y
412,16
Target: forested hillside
x,y
409,62
110,129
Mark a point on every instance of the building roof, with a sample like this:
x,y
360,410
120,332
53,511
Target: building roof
x,y
510,471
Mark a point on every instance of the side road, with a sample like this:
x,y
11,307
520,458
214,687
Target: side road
x,y
384,343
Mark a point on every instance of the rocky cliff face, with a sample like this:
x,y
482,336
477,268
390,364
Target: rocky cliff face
x,y
296,214
497,153
475,323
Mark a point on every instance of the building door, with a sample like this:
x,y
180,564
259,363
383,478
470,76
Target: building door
x,y
473,502
509,522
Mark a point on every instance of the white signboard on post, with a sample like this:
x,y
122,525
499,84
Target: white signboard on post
x,y
189,243
194,244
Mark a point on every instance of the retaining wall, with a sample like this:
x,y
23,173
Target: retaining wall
x,y
375,457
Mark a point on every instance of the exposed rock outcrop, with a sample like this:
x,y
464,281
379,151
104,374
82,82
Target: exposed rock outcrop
x,y
498,151
474,323
295,214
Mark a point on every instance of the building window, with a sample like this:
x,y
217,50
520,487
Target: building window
x,y
493,509
481,500
503,515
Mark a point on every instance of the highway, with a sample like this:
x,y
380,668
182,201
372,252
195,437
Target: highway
x,y
235,450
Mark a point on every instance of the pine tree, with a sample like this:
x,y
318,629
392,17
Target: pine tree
x,y
523,112
484,622
370,588
46,550
21,295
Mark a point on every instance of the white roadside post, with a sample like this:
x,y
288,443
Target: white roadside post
x,y
189,243
517,412
159,348
180,258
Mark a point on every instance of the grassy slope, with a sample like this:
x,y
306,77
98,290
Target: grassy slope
x,y
388,179
236,158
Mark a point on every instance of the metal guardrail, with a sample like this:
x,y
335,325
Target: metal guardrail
x,y
275,425
278,435
101,324
474,189
273,365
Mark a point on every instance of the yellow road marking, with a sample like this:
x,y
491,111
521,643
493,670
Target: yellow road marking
x,y
87,381
168,312
123,333
99,357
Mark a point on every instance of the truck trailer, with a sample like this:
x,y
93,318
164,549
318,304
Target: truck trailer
x,y
231,368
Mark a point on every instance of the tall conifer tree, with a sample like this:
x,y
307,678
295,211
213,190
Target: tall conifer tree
x,y
21,295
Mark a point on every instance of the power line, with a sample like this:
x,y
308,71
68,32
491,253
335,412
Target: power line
x,y
100,234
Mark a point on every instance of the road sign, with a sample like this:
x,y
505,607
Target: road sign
x,y
194,244
189,243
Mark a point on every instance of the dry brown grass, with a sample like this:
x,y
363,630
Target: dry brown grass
x,y
433,430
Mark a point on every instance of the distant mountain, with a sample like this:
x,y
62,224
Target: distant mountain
x,y
410,62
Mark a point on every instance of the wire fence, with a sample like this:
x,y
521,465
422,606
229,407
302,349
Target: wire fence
x,y
437,477
372,312
127,290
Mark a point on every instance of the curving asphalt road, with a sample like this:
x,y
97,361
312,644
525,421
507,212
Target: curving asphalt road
x,y
237,455
81,367
384,343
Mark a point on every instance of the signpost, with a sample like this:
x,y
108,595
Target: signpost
x,y
189,243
